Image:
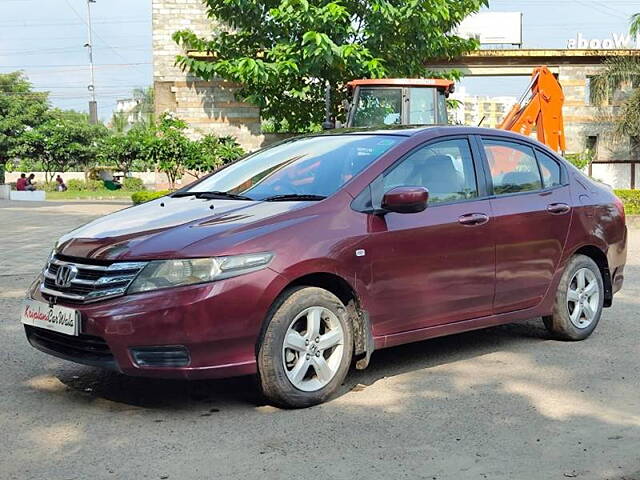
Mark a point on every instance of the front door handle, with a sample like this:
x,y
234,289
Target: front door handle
x,y
473,219
558,208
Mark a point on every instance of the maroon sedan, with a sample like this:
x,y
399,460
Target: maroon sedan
x,y
304,257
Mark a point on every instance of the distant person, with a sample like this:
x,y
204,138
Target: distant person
x,y
30,187
61,187
21,184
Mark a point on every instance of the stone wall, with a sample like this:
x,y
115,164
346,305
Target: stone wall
x,y
206,106
582,119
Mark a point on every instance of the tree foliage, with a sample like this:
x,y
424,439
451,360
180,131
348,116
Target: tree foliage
x,y
123,150
34,137
635,24
211,152
20,109
581,160
285,52
65,139
172,152
168,147
620,72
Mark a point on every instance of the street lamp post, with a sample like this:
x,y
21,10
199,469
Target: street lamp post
x,y
93,104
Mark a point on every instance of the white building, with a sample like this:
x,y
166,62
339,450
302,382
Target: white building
x,y
475,108
126,108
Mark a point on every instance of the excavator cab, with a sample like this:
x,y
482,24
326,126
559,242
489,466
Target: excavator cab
x,y
423,101
398,101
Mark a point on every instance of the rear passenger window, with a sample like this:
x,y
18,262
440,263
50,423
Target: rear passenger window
x,y
444,168
550,170
513,167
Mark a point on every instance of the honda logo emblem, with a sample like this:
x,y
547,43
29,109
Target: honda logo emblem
x,y
65,275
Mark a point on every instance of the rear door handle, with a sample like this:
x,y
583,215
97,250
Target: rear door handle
x,y
558,208
473,219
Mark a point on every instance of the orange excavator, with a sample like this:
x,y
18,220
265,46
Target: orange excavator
x,y
423,102
541,108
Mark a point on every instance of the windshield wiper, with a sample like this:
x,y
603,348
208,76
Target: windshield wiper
x,y
212,195
295,197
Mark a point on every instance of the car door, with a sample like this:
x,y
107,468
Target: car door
x,y
436,266
531,209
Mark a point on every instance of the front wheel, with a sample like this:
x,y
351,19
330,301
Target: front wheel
x,y
306,348
579,300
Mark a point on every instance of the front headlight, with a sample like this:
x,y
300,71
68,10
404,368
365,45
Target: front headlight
x,y
176,273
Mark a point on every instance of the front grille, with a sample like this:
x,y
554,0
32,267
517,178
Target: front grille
x,y
88,281
85,349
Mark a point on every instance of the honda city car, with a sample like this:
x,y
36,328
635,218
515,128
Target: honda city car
x,y
300,260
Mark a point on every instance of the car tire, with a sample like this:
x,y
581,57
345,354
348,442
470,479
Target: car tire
x,y
306,348
579,300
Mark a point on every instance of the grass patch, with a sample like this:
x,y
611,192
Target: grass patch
x,y
631,200
90,195
147,196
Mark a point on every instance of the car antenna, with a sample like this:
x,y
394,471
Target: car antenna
x,y
481,120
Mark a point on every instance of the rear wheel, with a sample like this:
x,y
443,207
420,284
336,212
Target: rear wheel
x,y
579,300
306,348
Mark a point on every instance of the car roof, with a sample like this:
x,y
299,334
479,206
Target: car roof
x,y
398,130
437,130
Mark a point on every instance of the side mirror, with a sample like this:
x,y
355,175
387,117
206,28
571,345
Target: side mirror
x,y
405,199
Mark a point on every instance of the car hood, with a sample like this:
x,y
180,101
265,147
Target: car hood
x,y
175,227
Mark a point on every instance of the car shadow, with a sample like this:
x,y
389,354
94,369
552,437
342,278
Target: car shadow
x,y
151,393
158,393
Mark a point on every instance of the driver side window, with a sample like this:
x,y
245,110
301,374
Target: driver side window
x,y
444,168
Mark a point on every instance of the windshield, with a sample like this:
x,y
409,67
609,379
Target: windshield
x,y
312,166
378,106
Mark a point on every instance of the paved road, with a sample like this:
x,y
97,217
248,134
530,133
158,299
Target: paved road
x,y
503,403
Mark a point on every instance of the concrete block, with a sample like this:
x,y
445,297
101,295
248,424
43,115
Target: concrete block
x,y
35,196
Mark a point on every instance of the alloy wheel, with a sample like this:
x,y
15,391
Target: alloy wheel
x,y
583,298
312,348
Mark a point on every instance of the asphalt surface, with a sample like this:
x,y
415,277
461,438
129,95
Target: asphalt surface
x,y
502,403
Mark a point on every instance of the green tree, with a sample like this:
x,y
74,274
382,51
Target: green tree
x,y
285,52
619,73
123,150
20,109
211,152
64,140
635,24
168,147
581,160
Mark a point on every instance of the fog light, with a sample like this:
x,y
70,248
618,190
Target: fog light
x,y
165,356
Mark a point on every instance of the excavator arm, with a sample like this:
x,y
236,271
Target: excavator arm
x,y
542,111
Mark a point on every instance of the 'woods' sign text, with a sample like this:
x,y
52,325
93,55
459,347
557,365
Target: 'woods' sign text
x,y
615,41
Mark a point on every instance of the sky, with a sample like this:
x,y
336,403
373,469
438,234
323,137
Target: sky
x,y
45,39
550,24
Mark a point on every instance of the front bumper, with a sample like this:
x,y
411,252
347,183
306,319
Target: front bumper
x,y
217,324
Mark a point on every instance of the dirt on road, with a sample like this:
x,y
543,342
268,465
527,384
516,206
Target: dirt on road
x,y
502,403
